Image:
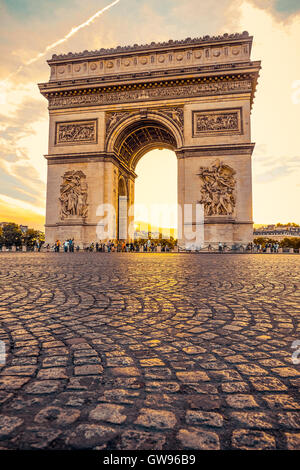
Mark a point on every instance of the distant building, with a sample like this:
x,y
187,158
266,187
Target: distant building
x,y
276,232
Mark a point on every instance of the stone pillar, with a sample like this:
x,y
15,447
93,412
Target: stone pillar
x,y
268,250
14,248
235,226
23,247
280,250
158,249
175,249
291,250
122,218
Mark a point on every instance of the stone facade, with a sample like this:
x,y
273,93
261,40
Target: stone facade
x,y
108,108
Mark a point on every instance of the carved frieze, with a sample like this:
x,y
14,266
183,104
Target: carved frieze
x,y
214,122
151,93
218,186
73,195
76,132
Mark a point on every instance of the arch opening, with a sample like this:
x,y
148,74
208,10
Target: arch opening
x,y
156,141
155,202
140,136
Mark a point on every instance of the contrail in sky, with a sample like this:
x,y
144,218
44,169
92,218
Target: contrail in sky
x,y
72,32
66,37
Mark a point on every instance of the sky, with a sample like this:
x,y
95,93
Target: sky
x,y
30,27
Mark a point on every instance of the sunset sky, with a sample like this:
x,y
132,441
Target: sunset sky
x,y
29,27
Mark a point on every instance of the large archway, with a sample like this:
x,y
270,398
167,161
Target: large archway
x,y
156,195
108,108
132,136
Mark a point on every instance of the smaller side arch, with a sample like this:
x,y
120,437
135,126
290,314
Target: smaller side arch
x,y
122,187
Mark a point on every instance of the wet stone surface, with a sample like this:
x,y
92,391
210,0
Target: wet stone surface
x,y
149,351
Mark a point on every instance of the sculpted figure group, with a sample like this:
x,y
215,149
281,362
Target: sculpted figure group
x,y
73,195
76,133
217,122
217,189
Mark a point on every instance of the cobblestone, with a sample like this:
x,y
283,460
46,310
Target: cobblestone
x,y
149,351
110,413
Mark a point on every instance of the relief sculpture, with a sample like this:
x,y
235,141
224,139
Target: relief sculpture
x,y
201,89
76,132
217,189
113,119
176,114
217,122
73,195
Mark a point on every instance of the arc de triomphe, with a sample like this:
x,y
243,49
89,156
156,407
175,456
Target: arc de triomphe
x,y
109,107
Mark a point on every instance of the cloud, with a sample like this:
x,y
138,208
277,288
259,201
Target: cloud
x,y
19,177
273,169
12,210
24,185
20,122
282,10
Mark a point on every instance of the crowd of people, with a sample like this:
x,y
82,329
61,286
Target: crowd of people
x,y
110,246
150,246
250,247
272,246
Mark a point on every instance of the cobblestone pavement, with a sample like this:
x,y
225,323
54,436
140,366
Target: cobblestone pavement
x,y
149,351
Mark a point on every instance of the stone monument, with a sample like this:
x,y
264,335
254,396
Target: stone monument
x,y
109,107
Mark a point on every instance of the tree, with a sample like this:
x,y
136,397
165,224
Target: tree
x,y
31,237
263,241
11,235
291,242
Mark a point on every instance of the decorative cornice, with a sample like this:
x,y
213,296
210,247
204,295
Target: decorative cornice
x,y
152,46
225,220
84,157
150,75
215,150
164,89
